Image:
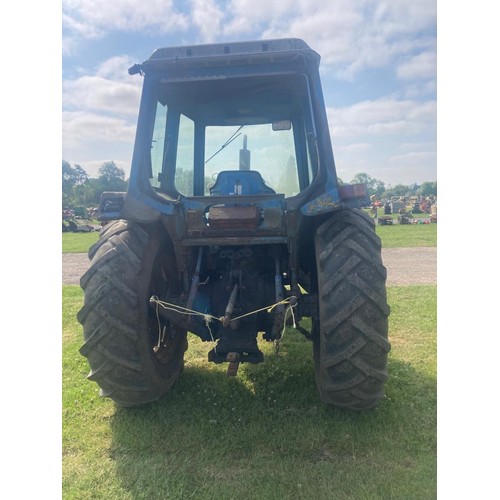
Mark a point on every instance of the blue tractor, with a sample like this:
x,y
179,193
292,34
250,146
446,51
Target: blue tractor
x,y
234,225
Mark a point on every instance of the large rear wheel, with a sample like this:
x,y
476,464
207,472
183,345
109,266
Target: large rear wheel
x,y
135,356
350,345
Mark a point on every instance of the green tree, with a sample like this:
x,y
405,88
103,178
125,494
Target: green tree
x,y
78,189
112,177
72,179
398,190
428,189
414,189
88,194
374,186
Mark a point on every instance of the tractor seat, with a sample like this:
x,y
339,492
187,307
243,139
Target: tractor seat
x,y
239,182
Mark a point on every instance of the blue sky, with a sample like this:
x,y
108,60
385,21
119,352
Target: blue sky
x,y
378,70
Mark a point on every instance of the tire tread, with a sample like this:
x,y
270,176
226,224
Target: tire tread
x,y
352,347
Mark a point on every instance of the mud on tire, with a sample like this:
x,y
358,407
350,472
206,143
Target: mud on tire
x,y
351,347
128,264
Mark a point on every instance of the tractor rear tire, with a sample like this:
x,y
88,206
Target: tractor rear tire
x,y
129,264
350,346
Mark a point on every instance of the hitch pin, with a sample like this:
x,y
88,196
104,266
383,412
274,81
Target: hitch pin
x,y
234,363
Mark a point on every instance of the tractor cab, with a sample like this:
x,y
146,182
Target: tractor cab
x,y
252,107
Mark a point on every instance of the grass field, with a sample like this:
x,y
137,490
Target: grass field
x,y
78,242
411,235
263,434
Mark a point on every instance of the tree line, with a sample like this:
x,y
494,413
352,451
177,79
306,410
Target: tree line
x,y
381,192
78,189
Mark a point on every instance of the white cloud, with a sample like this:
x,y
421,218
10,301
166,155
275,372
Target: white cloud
x,y
349,35
99,116
352,34
251,16
91,19
421,66
100,94
406,175
420,89
389,139
422,112
83,28
412,146
415,166
415,158
404,16
207,16
381,117
354,147
116,68
80,127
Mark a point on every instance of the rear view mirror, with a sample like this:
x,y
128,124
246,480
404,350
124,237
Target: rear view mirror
x,y
282,125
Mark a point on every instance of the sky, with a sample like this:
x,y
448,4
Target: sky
x,y
378,69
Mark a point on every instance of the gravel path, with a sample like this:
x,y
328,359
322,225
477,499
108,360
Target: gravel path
x,y
405,266
410,266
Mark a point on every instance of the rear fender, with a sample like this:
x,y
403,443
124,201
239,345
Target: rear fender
x,y
346,196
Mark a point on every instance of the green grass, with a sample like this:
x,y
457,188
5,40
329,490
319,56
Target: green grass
x,y
408,235
263,434
78,242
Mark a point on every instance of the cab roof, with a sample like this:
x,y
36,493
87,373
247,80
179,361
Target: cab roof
x,y
270,47
230,54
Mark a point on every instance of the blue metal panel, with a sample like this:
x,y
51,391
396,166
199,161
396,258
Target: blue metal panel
x,y
324,203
